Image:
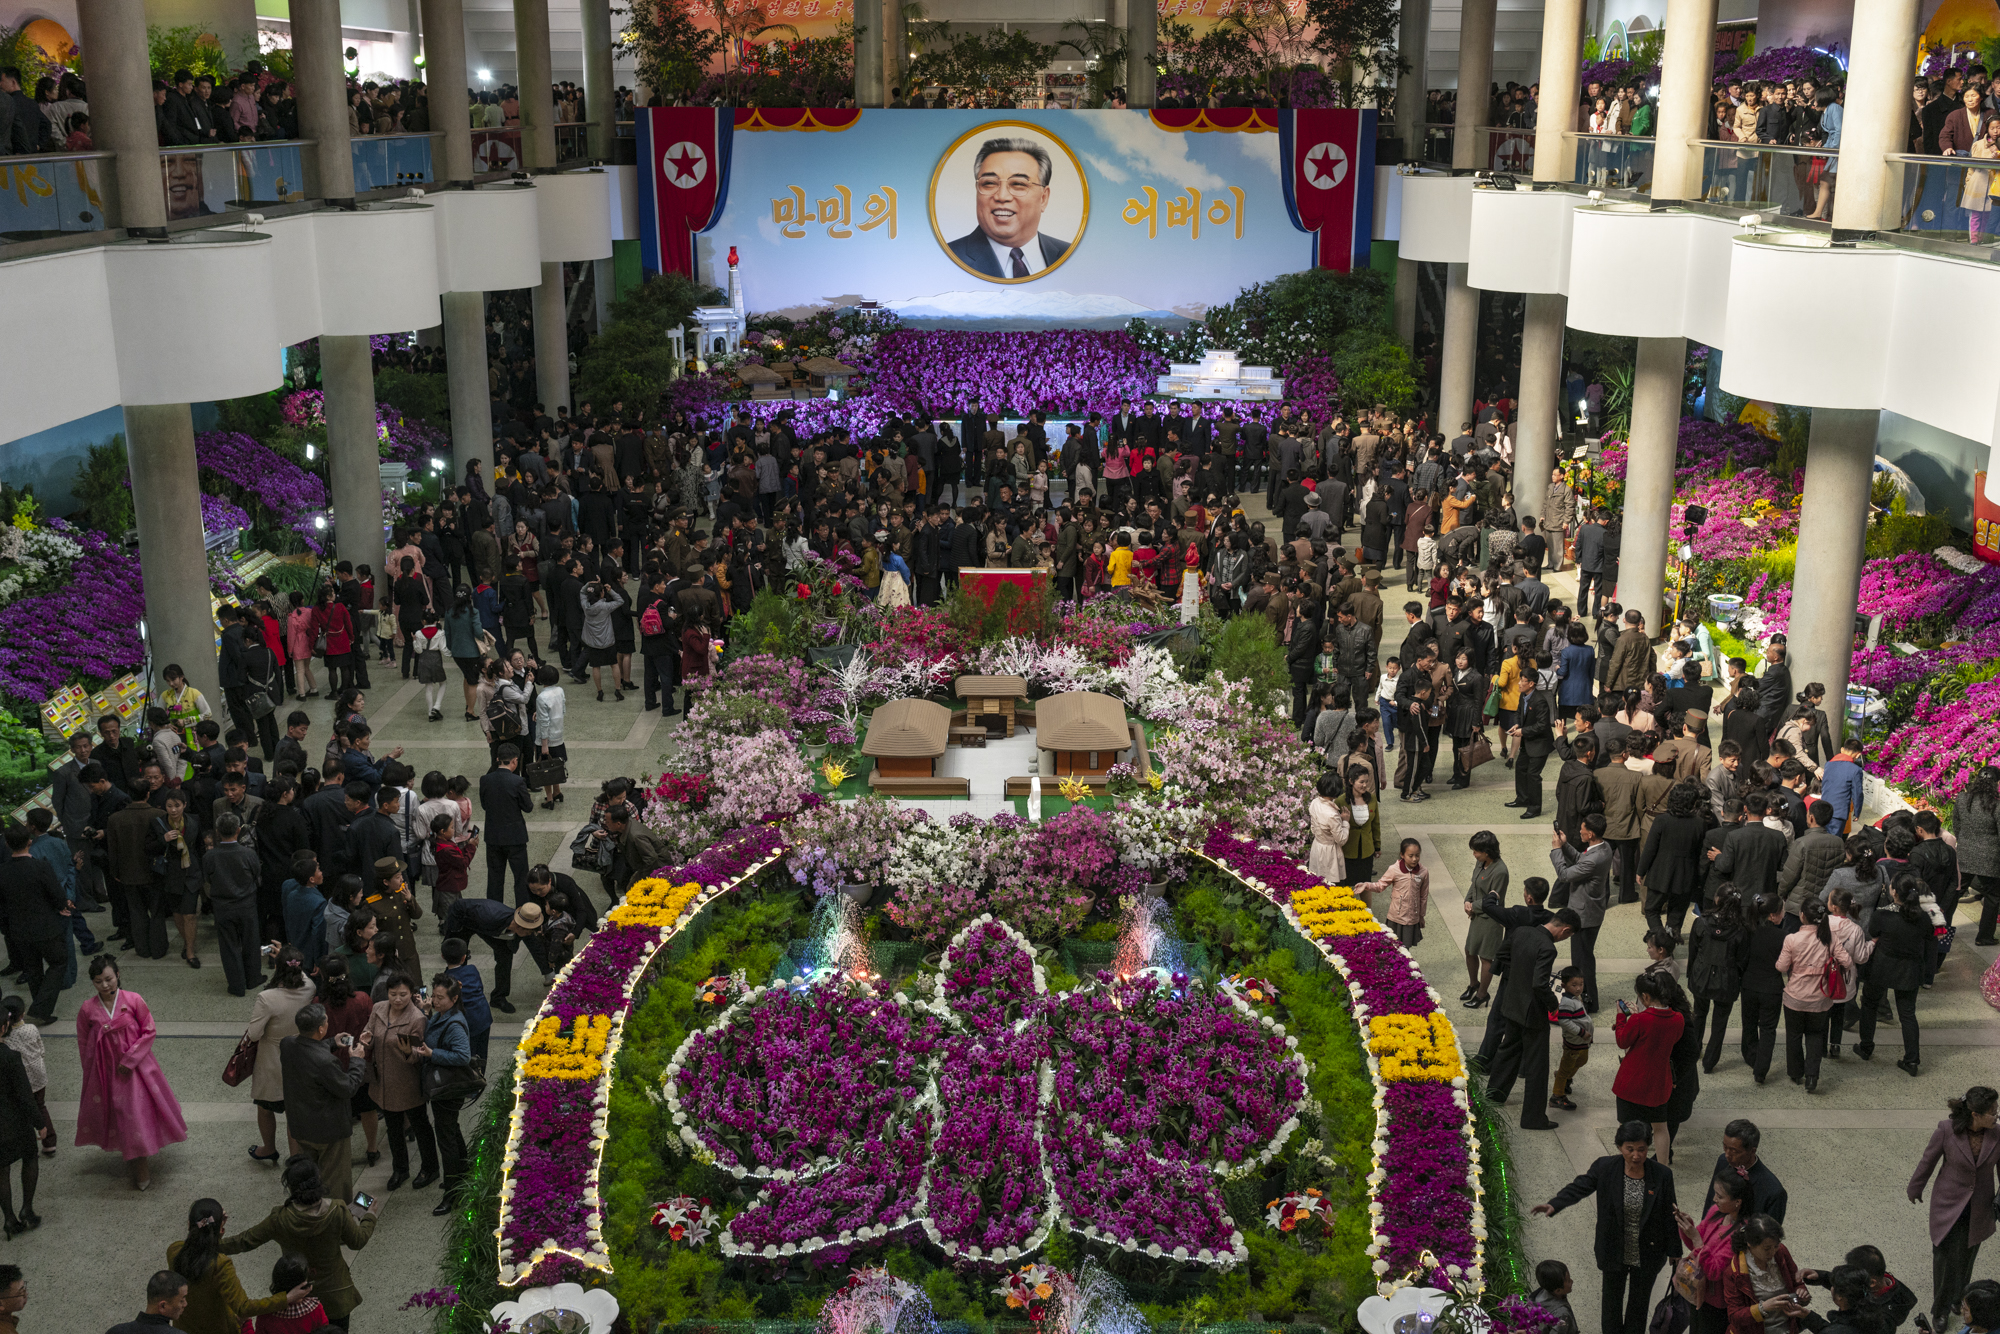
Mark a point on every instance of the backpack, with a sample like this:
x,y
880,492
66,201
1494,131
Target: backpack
x,y
1709,972
502,722
650,621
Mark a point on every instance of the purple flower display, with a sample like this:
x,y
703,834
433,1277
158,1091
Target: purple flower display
x,y
1781,64
549,1218
88,629
263,476
219,516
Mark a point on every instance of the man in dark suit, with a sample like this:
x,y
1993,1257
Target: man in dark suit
x,y
32,908
1754,854
504,796
1526,959
1538,741
1011,178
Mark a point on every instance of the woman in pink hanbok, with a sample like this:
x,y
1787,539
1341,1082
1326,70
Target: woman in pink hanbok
x,y
127,1106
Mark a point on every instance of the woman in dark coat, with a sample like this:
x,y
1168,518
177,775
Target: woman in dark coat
x,y
1671,863
1685,1060
1627,1184
1464,712
1905,954
1718,952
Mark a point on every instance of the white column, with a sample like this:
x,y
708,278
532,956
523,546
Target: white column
x,y
444,72
121,116
1540,407
353,457
1686,76
1460,348
1540,411
321,84
1475,80
1869,192
1649,477
1840,469
1412,41
552,340
1142,41
597,82
173,562
532,72
465,380
1459,352
868,16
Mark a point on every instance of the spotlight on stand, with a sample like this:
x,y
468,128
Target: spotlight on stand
x,y
310,453
319,522
1693,519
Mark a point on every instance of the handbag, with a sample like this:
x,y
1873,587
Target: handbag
x,y
1834,980
1478,752
546,773
242,1061
485,643
464,1082
1688,1280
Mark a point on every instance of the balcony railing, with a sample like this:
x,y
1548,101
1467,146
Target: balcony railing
x,y
387,161
1949,200
1764,177
1614,162
52,193
1506,148
211,180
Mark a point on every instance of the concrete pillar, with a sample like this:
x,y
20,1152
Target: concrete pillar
x,y
1412,40
1840,468
1686,75
597,87
1409,279
1562,57
444,71
166,503
465,381
1649,477
121,116
1459,352
868,88
1475,81
1540,408
353,456
603,281
895,46
533,72
321,85
1142,44
1539,429
551,340
1870,188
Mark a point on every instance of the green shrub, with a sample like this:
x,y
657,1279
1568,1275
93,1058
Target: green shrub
x,y
422,395
103,498
769,626
1374,368
258,416
1245,648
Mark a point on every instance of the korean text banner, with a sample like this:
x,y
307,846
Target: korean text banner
x,y
1067,216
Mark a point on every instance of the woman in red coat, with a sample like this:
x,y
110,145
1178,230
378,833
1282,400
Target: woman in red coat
x,y
1645,1079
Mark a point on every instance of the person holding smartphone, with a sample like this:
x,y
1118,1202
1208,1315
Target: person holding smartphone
x,y
319,1088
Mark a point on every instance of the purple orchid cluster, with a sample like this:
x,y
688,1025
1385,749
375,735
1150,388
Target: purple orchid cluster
x,y
219,516
88,629
1945,743
264,477
1426,1189
1787,64
1053,370
1913,587
1703,447
1886,669
1746,513
985,1182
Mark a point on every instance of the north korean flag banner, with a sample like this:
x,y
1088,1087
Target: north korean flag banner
x,y
684,162
1330,181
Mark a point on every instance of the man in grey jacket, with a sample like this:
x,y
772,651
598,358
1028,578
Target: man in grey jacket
x,y
1583,881
1812,859
72,807
319,1095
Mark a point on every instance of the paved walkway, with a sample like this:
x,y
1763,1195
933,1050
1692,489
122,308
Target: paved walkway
x,y
1844,1153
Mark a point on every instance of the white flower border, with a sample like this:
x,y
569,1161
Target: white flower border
x,y
515,1269
1376,1240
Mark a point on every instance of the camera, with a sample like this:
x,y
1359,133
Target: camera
x,y
344,1040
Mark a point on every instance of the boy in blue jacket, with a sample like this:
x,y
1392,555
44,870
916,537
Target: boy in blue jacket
x,y
471,997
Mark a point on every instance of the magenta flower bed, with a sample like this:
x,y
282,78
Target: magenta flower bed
x,y
1906,589
1425,1194
554,1165
1944,745
1730,501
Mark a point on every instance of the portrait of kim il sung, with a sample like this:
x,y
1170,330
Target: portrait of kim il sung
x,y
1029,205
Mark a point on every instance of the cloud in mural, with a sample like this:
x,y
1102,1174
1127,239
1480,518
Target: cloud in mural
x,y
1137,147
